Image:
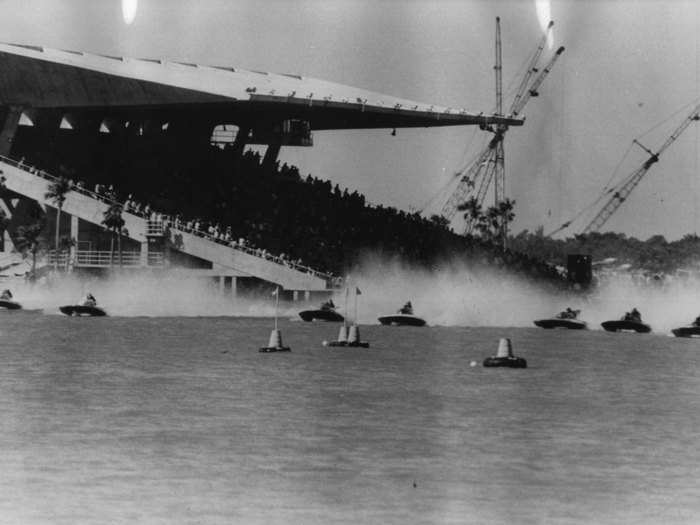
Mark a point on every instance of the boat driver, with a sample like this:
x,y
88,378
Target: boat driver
x,y
90,300
6,295
407,309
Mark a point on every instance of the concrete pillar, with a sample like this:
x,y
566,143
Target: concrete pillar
x,y
307,295
9,128
144,254
222,284
271,154
241,140
233,286
74,237
295,295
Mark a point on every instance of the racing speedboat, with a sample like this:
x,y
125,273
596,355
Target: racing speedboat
x,y
404,317
75,310
626,325
567,319
401,320
687,331
325,313
9,304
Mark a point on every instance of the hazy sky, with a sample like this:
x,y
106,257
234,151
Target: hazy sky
x,y
628,66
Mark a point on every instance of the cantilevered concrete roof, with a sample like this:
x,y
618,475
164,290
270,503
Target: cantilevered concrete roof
x,y
39,77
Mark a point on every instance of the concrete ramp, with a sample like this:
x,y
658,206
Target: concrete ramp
x,y
239,261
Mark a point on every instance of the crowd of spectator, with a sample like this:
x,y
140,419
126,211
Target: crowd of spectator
x,y
267,208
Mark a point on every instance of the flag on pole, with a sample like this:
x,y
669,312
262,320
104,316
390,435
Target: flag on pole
x,y
275,292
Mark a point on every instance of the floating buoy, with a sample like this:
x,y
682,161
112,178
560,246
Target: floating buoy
x,y
275,343
473,364
343,334
505,356
351,338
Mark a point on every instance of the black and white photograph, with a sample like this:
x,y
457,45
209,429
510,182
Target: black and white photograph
x,y
339,262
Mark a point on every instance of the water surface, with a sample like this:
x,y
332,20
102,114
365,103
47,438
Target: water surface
x,y
181,420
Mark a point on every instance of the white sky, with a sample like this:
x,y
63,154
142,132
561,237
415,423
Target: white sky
x,y
628,66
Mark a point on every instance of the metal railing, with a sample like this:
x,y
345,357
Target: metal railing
x,y
332,281
105,259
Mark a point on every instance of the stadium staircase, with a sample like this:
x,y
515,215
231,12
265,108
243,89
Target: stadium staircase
x,y
240,261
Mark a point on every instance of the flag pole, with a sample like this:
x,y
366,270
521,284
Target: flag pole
x,y
277,303
356,321
345,317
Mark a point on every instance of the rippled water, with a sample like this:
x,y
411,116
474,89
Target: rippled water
x,y
181,420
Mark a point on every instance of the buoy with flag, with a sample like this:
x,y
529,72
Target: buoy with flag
x,y
505,356
275,342
350,337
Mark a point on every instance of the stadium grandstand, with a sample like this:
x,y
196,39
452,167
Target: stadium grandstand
x,y
162,145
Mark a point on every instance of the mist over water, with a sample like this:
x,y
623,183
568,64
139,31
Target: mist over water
x,y
155,296
457,295
452,294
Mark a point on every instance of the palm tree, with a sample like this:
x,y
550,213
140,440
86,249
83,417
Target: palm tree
x,y
114,223
28,239
57,194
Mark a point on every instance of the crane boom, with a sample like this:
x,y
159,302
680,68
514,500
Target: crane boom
x,y
498,68
635,178
532,92
477,176
531,69
466,183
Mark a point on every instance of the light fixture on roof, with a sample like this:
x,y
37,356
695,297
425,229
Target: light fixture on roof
x,y
25,120
65,123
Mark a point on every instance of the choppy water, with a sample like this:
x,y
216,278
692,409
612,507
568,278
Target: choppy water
x,y
181,420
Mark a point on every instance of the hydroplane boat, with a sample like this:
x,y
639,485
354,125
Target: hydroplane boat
x,y
688,331
87,308
566,319
7,302
403,317
326,312
82,310
630,322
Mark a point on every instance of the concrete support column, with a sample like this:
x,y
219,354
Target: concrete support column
x,y
271,154
295,295
9,128
74,237
233,286
307,295
222,284
241,140
144,254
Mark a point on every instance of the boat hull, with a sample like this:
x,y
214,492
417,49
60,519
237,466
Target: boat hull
x,y
626,326
81,310
505,362
10,305
686,331
321,315
401,320
346,344
571,324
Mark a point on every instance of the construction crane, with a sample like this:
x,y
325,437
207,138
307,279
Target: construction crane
x,y
622,191
490,163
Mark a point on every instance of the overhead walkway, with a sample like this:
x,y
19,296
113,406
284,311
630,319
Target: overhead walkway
x,y
225,258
